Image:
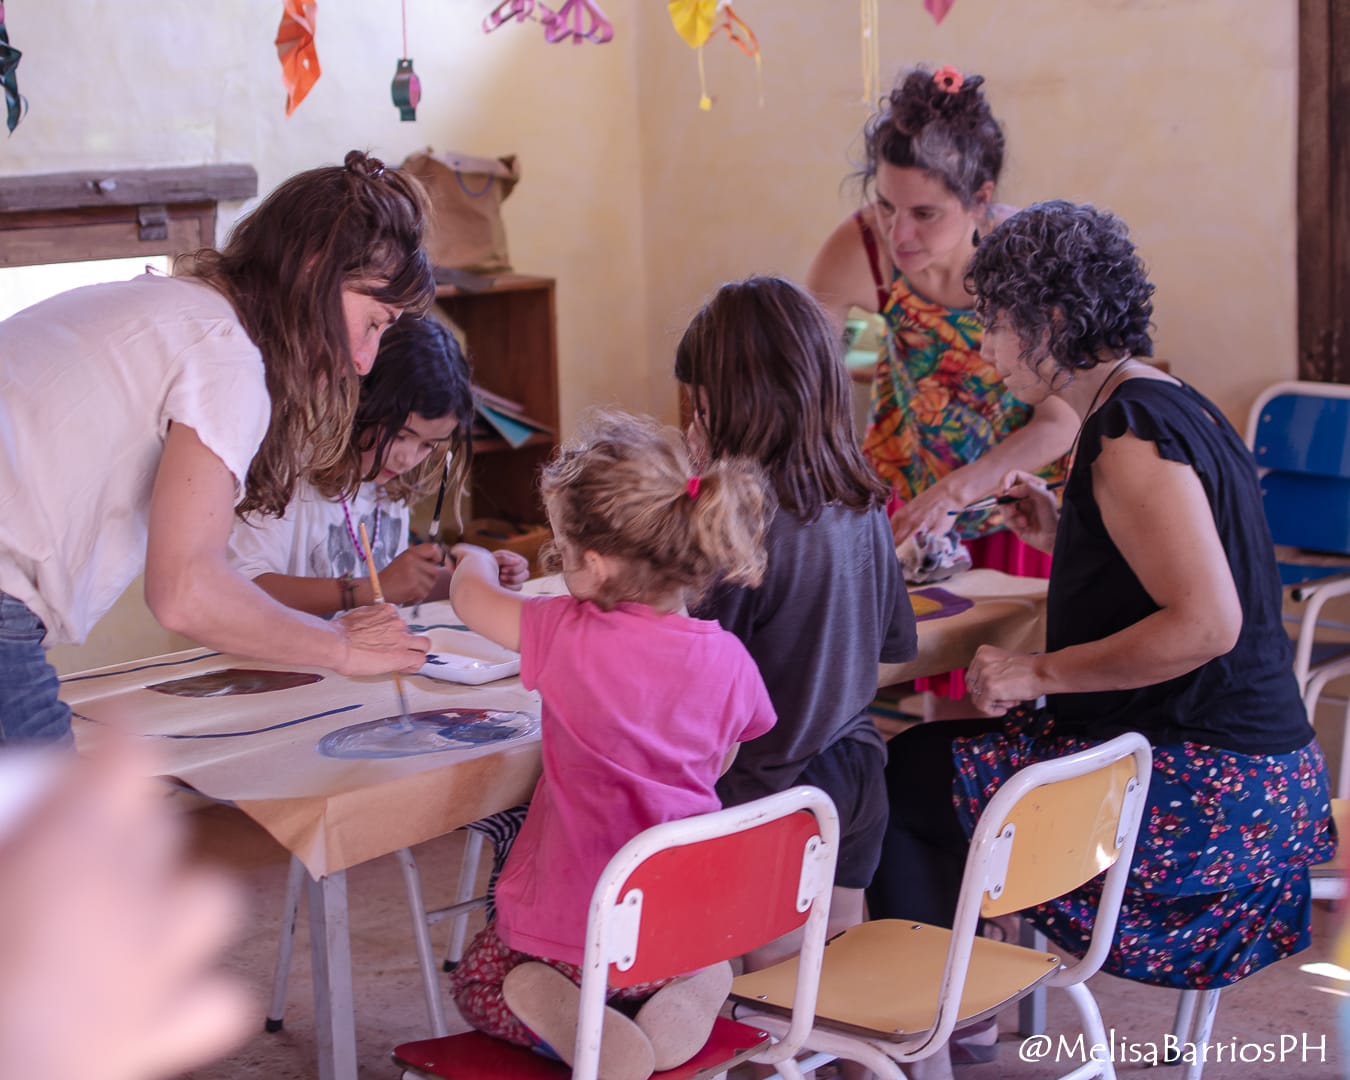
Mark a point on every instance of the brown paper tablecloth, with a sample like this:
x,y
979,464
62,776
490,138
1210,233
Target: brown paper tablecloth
x,y
260,752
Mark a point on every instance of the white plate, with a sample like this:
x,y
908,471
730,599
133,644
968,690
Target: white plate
x,y
461,657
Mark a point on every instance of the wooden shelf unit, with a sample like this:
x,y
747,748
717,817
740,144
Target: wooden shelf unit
x,y
510,328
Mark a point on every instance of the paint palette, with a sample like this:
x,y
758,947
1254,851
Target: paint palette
x,y
469,659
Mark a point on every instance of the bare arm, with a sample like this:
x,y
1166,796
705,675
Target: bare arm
x,y
1048,435
192,589
1157,514
411,577
486,606
839,276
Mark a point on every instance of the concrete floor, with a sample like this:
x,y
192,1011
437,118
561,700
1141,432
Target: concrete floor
x,y
1290,999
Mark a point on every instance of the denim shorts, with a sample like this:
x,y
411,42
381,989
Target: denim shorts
x,y
853,774
30,711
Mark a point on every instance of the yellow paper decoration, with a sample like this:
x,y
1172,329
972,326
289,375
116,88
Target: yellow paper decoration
x,y
696,21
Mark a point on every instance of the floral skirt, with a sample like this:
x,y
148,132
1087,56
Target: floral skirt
x,y
1218,887
476,988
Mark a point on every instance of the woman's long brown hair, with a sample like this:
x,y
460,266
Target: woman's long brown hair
x,y
357,226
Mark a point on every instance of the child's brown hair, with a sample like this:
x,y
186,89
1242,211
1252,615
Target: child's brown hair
x,y
764,359
624,487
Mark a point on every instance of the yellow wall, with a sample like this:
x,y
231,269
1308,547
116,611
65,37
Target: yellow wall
x,y
1179,116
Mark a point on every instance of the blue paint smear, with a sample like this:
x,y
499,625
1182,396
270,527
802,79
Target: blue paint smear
x,y
263,730
143,667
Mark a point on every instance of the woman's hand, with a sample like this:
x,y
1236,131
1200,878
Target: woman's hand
x,y
378,641
512,570
997,679
1034,517
928,512
409,578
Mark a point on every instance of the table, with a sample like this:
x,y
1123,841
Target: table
x,y
259,751
1008,611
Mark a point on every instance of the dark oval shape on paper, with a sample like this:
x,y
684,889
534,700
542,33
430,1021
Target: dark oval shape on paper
x,y
229,682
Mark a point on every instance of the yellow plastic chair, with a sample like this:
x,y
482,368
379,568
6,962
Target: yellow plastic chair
x,y
892,991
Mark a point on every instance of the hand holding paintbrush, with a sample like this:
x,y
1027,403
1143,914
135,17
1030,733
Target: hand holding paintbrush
x,y
379,599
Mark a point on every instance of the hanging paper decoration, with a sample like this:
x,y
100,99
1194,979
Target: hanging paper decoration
x,y
15,103
505,12
296,50
406,89
698,20
938,9
581,20
871,54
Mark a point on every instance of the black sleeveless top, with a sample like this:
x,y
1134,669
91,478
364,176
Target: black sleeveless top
x,y
1246,700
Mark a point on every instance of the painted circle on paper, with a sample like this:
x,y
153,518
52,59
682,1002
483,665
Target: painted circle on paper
x,y
431,731
229,682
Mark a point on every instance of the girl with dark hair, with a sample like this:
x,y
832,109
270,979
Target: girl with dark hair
x,y
1164,617
138,415
762,368
412,430
943,428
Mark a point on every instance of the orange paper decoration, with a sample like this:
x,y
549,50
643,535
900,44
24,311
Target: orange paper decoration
x,y
296,50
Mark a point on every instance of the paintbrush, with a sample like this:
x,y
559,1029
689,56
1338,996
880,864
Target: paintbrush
x,y
434,530
990,501
379,599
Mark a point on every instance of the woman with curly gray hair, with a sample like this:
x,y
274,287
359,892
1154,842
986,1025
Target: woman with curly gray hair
x,y
1164,617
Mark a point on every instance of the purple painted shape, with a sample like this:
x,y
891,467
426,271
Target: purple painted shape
x,y
951,603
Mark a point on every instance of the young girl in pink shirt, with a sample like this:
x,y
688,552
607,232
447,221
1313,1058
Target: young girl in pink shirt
x,y
643,708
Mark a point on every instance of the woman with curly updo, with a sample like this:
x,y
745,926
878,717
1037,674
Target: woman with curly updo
x,y
943,429
1163,618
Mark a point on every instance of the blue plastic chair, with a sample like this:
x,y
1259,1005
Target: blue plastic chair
x,y
1299,433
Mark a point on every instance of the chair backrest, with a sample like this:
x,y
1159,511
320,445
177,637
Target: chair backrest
x,y
1299,434
1050,828
687,894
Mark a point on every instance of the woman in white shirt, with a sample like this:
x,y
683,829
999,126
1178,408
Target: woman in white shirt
x,y
137,417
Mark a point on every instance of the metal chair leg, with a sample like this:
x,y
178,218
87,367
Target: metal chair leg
x,y
464,890
294,880
425,960
1031,1009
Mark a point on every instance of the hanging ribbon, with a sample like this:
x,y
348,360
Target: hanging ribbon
x,y
871,54
15,103
697,21
296,50
938,9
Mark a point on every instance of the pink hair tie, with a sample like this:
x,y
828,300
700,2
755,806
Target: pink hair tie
x,y
693,486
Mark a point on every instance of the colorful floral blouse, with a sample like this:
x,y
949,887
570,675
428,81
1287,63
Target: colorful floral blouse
x,y
936,403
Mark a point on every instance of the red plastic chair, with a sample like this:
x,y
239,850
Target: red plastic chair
x,y
680,897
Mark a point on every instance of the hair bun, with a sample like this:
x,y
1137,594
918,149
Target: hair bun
x,y
362,164
922,98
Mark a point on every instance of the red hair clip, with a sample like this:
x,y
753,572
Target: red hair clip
x,y
693,486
